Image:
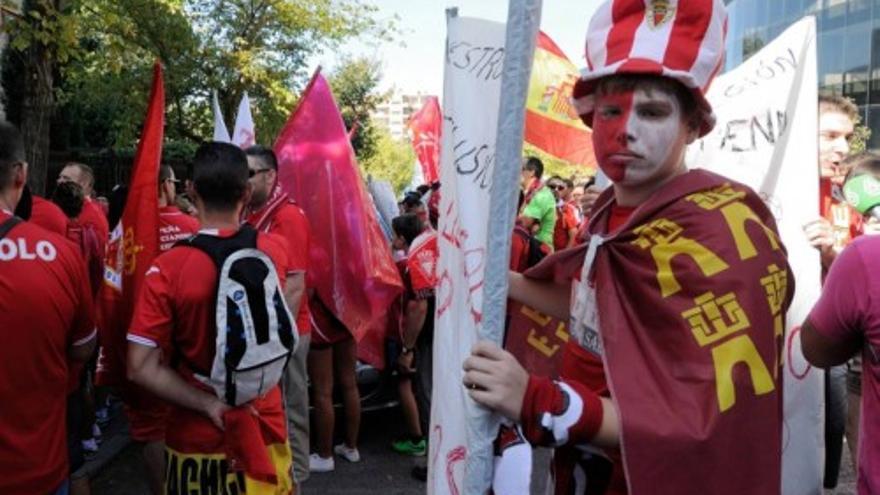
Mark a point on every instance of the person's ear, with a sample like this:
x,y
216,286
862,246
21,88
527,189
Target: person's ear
x,y
693,129
19,174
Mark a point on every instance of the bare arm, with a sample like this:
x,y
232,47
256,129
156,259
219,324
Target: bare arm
x,y
145,367
824,352
572,237
294,288
413,321
549,298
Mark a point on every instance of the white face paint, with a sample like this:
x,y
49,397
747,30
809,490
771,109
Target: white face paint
x,y
639,136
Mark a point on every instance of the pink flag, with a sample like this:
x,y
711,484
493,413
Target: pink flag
x,y
350,262
425,126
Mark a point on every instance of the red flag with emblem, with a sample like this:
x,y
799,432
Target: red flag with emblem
x,y
350,263
552,124
425,127
134,242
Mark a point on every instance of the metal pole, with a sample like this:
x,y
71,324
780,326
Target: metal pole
x,y
523,20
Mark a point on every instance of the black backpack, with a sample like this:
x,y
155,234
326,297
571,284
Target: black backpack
x,y
256,332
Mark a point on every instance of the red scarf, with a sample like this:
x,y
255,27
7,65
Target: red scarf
x,y
261,218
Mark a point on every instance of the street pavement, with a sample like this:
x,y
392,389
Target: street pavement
x,y
380,472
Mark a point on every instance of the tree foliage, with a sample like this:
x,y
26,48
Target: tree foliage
x,y
354,85
106,49
392,160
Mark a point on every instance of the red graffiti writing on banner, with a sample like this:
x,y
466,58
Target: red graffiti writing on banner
x,y
789,355
455,456
472,269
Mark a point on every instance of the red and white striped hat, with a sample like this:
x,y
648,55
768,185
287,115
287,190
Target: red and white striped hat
x,y
680,39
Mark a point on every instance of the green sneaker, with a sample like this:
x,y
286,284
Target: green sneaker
x,y
408,447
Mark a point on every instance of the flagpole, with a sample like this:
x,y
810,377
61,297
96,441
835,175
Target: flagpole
x,y
523,20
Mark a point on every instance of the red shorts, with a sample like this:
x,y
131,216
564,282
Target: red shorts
x,y
147,414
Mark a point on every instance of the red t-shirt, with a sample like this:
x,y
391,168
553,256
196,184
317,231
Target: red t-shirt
x,y
566,220
93,215
175,312
174,225
45,308
48,215
290,223
421,263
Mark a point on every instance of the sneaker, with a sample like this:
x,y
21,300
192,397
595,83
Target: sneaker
x,y
408,447
96,432
90,448
349,454
318,464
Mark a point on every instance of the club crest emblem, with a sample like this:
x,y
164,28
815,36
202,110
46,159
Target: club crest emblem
x,y
659,12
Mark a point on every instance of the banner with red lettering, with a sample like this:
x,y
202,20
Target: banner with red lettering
x,y
552,124
350,264
425,127
134,242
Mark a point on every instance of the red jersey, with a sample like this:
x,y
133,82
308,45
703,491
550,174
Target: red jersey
x,y
175,312
421,264
566,220
48,215
45,308
174,225
94,216
282,217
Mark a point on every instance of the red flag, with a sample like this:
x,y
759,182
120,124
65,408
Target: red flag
x,y
552,124
425,128
350,262
134,242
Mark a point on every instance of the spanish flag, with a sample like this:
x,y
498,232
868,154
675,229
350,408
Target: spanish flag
x,y
552,124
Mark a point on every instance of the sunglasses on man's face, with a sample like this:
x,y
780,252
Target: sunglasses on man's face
x,y
557,187
253,173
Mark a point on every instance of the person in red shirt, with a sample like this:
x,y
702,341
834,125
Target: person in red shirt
x,y
272,210
174,322
642,384
566,227
147,414
46,324
92,214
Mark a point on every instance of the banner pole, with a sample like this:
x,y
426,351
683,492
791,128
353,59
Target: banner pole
x,y
523,21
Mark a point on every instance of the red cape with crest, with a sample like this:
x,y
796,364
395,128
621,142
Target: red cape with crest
x,y
691,297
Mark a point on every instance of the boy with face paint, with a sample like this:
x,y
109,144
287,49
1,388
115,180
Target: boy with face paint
x,y
670,382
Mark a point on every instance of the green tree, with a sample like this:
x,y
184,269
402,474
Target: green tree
x,y
354,85
97,57
392,160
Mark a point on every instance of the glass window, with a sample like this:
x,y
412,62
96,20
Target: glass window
x,y
794,9
775,11
873,121
875,66
830,52
858,11
833,14
856,59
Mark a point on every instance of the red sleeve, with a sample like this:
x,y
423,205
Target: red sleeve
x,y
560,413
291,224
422,266
570,218
841,310
83,328
277,248
152,322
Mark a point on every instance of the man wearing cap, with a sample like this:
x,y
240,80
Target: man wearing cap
x,y
671,380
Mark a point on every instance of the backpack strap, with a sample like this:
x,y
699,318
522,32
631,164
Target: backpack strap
x,y
6,226
218,249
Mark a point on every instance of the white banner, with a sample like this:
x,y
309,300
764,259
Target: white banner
x,y
245,134
766,137
471,96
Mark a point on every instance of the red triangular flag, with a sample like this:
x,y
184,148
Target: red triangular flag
x,y
426,126
134,242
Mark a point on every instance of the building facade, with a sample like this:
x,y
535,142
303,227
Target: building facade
x,y
395,112
848,45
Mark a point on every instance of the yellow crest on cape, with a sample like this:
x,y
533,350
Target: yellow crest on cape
x,y
659,12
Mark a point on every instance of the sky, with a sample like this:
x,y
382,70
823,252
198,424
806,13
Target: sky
x,y
418,66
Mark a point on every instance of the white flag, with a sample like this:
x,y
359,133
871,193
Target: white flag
x,y
766,137
245,135
220,133
471,98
